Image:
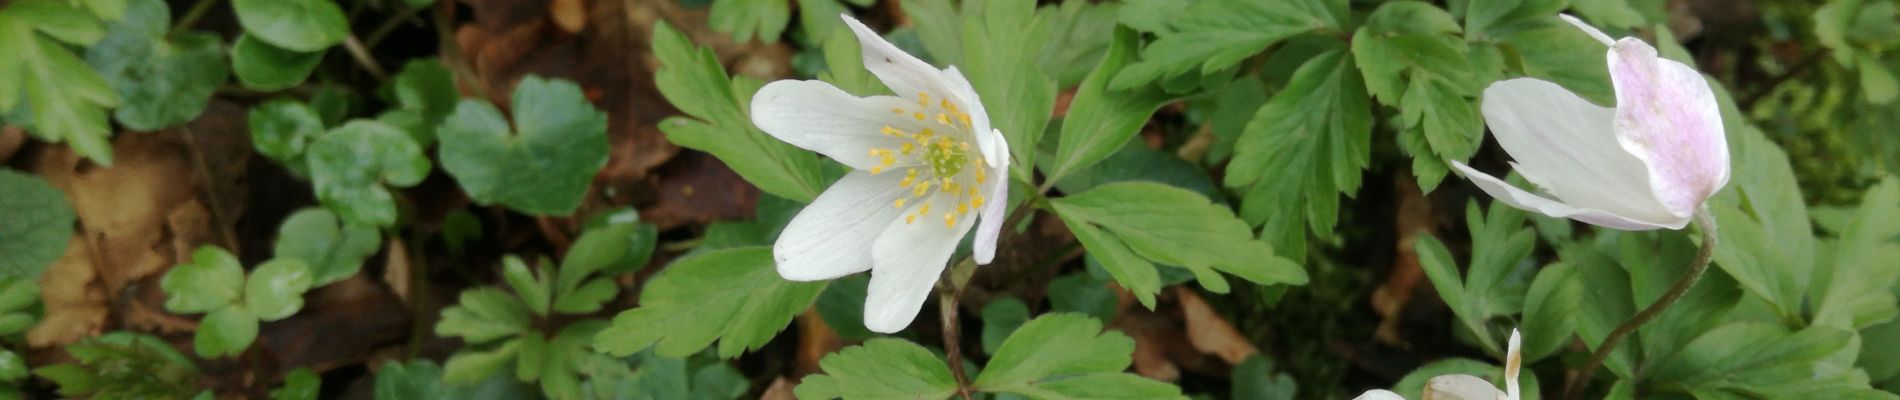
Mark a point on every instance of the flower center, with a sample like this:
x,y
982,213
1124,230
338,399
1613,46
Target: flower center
x,y
939,163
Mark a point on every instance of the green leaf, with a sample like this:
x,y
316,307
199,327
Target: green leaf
x,y
1083,293
350,165
841,305
545,166
36,223
734,296
1064,355
619,243
163,82
484,315
298,25
1000,44
1736,351
1550,309
1100,120
282,129
470,366
123,365
259,65
1549,49
1485,19
1608,13
1411,59
743,18
1218,34
1766,240
226,331
1132,271
212,280
535,292
694,82
1860,292
1255,379
1877,82
1173,226
105,9
844,61
275,289
332,249
301,384
1312,138
68,101
881,368
1080,36
939,28
1137,162
418,379
1001,317
426,89
16,294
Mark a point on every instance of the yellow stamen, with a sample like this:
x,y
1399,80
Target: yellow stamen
x,y
877,169
899,204
977,201
923,99
949,220
941,118
906,148
898,111
925,209
910,218
920,116
921,189
963,208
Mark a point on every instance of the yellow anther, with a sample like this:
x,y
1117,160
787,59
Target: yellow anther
x,y
909,178
920,190
910,218
888,159
949,185
906,148
976,201
941,118
949,220
898,111
964,145
963,208
894,132
965,118
877,169
920,116
923,99
947,105
925,209
899,204
981,176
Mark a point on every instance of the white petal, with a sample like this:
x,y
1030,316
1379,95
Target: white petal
x,y
906,261
1461,387
1667,116
1586,28
988,141
1513,361
1568,146
904,74
833,236
1378,394
1521,199
817,116
995,206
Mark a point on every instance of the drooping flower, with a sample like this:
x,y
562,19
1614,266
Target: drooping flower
x,y
1648,163
927,166
1466,387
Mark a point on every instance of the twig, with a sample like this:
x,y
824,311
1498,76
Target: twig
x,y
1705,223
218,212
360,53
948,291
191,17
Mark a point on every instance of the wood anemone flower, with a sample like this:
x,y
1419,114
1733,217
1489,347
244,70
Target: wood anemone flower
x,y
1467,387
927,166
1648,163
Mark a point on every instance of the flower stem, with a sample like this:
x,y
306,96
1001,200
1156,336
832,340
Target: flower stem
x,y
1704,223
191,17
950,289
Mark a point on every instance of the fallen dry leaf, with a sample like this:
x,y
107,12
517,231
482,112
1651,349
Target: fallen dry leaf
x,y
1415,217
11,138
815,340
1209,332
570,15
75,302
781,389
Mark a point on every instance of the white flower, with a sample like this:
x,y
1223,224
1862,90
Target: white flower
x,y
1648,163
927,166
1466,387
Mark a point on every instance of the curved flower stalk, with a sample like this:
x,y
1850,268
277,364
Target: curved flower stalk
x,y
1466,387
926,165
1648,163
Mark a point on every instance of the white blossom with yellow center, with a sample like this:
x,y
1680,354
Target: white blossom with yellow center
x,y
927,168
1467,387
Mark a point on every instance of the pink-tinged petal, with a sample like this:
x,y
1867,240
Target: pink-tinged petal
x,y
1377,394
1521,199
1462,387
833,236
1586,28
1666,115
1568,147
906,260
995,206
817,116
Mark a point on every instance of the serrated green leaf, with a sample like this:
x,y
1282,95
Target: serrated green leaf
x,y
484,315
544,164
844,61
259,65
1000,46
1555,51
1101,120
1255,379
1173,226
1737,350
470,366
1130,270
734,296
163,81
211,280
350,165
693,80
275,289
1860,292
36,223
531,357
881,368
1063,355
535,291
416,379
1313,137
300,25
1766,240
226,331
841,305
282,129
620,245
1486,19
1608,13
332,249
67,100
744,19
1214,35
1137,162
1000,318
300,384
1550,310
1080,36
